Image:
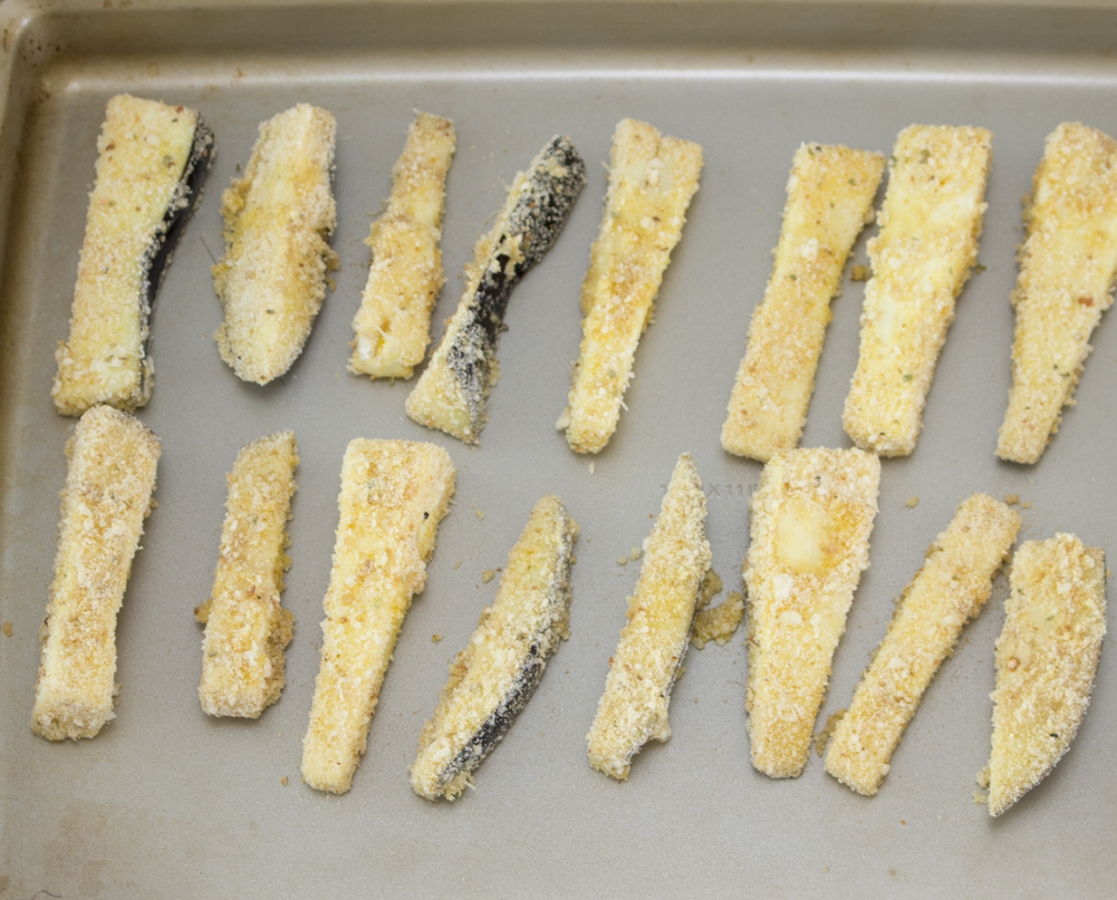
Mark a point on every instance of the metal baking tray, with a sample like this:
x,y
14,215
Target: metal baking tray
x,y
169,803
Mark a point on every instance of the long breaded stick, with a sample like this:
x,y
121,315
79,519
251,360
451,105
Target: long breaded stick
x,y
929,226
452,391
1046,658
393,495
949,590
651,181
393,326
643,668
278,217
151,160
829,200
247,629
107,496
493,678
812,514
1068,265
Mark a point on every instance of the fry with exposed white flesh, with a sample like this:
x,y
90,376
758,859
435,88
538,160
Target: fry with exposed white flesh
x,y
929,226
247,630
829,200
393,495
451,393
493,678
393,325
1068,265
643,668
652,178
278,217
111,476
151,160
1046,659
950,589
812,515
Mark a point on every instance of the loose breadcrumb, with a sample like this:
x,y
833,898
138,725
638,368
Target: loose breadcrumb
x,y
950,589
648,658
1046,658
829,200
150,161
811,517
278,217
111,476
718,623
247,630
393,325
929,226
393,495
1068,265
651,181
493,678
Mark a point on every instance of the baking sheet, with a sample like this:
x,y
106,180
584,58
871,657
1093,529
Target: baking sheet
x,y
169,803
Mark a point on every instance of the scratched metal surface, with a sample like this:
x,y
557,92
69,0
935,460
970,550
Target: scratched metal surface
x,y
169,803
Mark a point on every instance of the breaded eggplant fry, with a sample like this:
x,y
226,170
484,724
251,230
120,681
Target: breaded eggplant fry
x,y
393,326
1046,659
643,668
651,181
151,161
812,514
1068,265
451,393
393,495
929,226
829,200
109,483
493,678
949,590
278,217
247,629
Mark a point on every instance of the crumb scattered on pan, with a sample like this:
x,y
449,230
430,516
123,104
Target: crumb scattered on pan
x,y
592,467
436,639
718,623
458,564
1012,499
480,515
283,781
488,575
1026,504
7,629
859,273
635,553
912,502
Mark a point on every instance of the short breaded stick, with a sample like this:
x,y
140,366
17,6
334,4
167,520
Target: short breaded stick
x,y
393,495
107,496
829,200
1068,265
393,326
651,181
247,629
929,226
1046,658
452,391
278,217
493,678
643,668
812,514
949,590
151,160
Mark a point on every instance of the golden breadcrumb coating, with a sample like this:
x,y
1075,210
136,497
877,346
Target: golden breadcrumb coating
x,y
393,326
929,226
493,678
829,200
278,217
393,495
247,629
651,181
1068,264
143,151
811,517
643,668
109,484
949,590
1046,658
